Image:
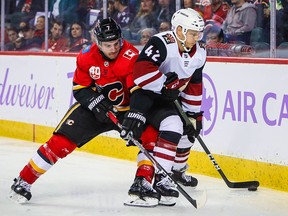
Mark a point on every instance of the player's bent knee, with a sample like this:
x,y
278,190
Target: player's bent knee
x,y
172,123
60,145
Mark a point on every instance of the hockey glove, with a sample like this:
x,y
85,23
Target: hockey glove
x,y
194,129
99,105
170,91
132,125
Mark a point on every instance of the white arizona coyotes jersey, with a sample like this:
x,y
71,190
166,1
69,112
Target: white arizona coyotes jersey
x,y
160,56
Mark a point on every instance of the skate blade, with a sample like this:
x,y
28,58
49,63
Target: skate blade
x,y
167,201
17,198
136,201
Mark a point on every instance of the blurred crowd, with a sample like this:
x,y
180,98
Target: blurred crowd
x,y
241,23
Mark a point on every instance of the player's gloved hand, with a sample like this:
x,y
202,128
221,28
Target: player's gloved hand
x,y
170,90
196,120
99,105
132,125
191,138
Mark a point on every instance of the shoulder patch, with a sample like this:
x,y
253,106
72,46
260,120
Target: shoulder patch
x,y
129,54
168,38
86,49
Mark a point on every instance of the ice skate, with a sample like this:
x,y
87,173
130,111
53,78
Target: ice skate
x,y
142,194
20,191
181,177
167,189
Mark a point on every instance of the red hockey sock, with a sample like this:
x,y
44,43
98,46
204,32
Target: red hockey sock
x,y
146,171
47,155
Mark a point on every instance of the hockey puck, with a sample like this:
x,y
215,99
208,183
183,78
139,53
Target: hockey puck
x,y
252,189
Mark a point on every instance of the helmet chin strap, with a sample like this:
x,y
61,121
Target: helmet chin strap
x,y
184,31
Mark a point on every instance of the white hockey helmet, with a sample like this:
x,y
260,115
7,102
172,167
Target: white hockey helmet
x,y
188,19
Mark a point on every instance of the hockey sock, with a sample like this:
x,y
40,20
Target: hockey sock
x,y
145,166
47,155
165,149
148,136
182,155
146,171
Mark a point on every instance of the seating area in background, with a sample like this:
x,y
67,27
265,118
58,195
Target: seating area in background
x,y
24,31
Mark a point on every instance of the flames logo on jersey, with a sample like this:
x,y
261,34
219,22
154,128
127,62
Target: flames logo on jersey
x,y
129,54
169,38
94,72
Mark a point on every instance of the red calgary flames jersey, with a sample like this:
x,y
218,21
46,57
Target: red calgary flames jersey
x,y
113,78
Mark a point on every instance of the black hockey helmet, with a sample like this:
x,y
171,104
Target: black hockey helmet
x,y
107,30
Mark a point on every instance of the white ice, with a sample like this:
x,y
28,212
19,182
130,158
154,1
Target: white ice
x,y
86,184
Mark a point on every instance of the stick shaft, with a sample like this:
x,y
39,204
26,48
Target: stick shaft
x,y
245,184
154,161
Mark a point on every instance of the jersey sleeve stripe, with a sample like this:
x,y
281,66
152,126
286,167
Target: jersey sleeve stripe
x,y
191,97
152,81
192,102
191,108
134,89
77,87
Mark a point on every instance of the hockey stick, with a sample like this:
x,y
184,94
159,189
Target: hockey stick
x,y
196,203
251,185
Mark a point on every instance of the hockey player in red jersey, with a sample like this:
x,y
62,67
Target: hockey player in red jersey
x,y
100,84
168,68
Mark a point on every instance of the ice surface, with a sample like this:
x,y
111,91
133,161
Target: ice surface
x,y
86,184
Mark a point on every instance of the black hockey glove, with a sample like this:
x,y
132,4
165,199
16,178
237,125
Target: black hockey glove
x,y
99,105
193,130
132,125
170,91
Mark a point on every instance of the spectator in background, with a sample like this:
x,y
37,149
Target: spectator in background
x,y
261,34
240,21
27,39
76,38
22,24
12,36
146,34
26,10
134,5
216,11
123,15
188,4
165,10
83,10
164,26
145,17
64,10
213,34
194,4
111,11
40,28
56,42
213,39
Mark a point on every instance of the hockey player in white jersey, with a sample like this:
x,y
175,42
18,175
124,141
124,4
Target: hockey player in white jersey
x,y
168,68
